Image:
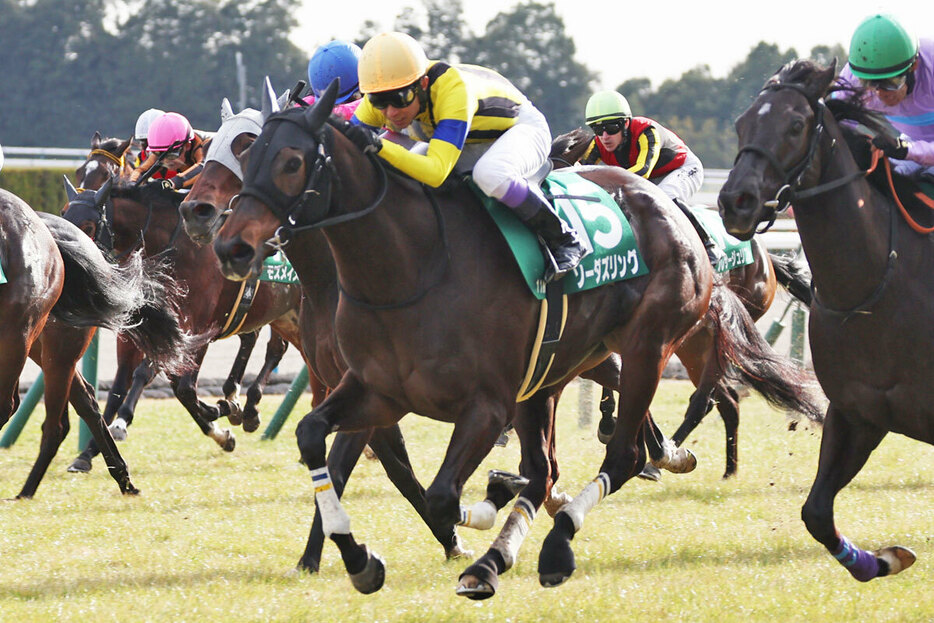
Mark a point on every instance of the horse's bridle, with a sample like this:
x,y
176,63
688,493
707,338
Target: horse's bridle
x,y
788,192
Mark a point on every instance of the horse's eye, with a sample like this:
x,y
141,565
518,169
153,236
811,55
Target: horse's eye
x,y
293,164
797,127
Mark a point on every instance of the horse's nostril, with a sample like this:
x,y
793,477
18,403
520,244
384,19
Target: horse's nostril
x,y
204,210
241,252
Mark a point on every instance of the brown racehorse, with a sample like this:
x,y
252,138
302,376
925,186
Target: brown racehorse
x,y
203,212
147,217
52,267
434,319
871,324
754,284
107,159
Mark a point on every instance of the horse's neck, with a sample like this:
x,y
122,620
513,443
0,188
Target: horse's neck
x,y
844,232
311,258
132,219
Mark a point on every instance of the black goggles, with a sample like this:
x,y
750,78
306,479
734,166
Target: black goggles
x,y
610,127
400,98
886,84
174,150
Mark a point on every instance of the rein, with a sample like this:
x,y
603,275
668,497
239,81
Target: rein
x,y
120,162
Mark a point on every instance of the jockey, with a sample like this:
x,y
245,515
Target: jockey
x,y
464,117
142,129
898,73
337,59
171,134
645,147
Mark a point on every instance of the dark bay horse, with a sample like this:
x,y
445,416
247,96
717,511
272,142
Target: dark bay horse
x,y
52,268
417,273
754,284
871,324
204,211
123,217
108,159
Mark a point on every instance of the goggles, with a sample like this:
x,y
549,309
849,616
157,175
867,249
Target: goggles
x,y
886,84
400,98
610,127
174,150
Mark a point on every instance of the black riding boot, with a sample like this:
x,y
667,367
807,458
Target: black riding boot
x,y
713,251
565,247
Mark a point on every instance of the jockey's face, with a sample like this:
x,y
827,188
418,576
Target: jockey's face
x,y
401,118
892,98
612,141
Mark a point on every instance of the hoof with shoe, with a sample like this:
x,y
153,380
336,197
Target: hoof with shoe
x,y
501,441
80,466
676,460
650,472
898,558
605,429
479,581
373,575
514,483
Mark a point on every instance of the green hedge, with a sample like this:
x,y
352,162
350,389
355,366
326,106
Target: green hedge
x,y
42,189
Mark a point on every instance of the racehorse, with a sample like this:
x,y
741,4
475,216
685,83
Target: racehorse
x,y
123,217
417,272
108,158
871,330
52,268
203,212
754,284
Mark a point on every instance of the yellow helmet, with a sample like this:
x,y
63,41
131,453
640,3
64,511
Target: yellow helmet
x,y
390,60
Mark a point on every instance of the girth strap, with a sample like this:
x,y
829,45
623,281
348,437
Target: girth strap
x,y
241,308
554,313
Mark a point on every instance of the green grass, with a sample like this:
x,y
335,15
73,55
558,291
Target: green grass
x,y
214,536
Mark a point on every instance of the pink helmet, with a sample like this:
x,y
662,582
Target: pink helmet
x,y
169,131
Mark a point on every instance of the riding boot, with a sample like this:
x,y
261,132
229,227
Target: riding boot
x,y
713,251
561,240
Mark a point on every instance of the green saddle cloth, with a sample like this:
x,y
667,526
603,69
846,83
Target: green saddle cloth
x,y
2,276
736,252
277,268
615,255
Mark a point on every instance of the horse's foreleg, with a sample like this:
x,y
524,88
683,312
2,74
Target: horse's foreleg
x,y
846,444
143,375
350,400
231,402
534,424
275,349
204,415
342,457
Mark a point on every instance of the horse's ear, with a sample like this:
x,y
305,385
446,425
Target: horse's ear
x,y
283,99
96,140
125,145
226,110
103,193
323,106
270,105
823,79
70,190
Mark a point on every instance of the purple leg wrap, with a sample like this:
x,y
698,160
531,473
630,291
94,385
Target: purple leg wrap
x,y
861,564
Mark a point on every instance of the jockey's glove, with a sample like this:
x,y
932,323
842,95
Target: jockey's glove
x,y
364,138
896,148
169,184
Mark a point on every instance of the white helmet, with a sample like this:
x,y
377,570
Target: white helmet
x,y
145,119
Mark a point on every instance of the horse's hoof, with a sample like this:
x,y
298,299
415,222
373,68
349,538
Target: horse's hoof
x,y
228,443
251,423
549,580
556,558
231,409
472,588
513,483
118,429
369,454
457,550
373,575
80,466
500,442
897,557
129,489
605,429
556,501
650,472
677,460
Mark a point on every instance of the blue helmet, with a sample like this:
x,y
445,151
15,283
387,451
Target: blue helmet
x,y
337,59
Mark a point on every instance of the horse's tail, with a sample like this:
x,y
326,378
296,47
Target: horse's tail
x,y
793,274
136,299
747,358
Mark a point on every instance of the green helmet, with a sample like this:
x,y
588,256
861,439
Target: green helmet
x,y
881,48
604,105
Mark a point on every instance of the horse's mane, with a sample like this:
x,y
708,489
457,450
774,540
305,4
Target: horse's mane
x,y
146,193
111,145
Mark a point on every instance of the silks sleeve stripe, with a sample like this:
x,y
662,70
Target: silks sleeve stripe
x,y
453,131
647,153
431,168
922,119
483,135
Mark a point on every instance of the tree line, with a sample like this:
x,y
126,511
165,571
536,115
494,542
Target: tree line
x,y
71,68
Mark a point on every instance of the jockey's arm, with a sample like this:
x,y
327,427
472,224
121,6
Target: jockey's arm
x,y
921,152
649,149
144,166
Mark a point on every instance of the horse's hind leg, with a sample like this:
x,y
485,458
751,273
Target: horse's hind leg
x,y
205,416
846,444
727,400
231,401
275,349
534,423
664,453
12,360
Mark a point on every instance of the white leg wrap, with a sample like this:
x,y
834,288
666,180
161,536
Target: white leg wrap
x,y
334,520
480,516
514,531
578,508
235,393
